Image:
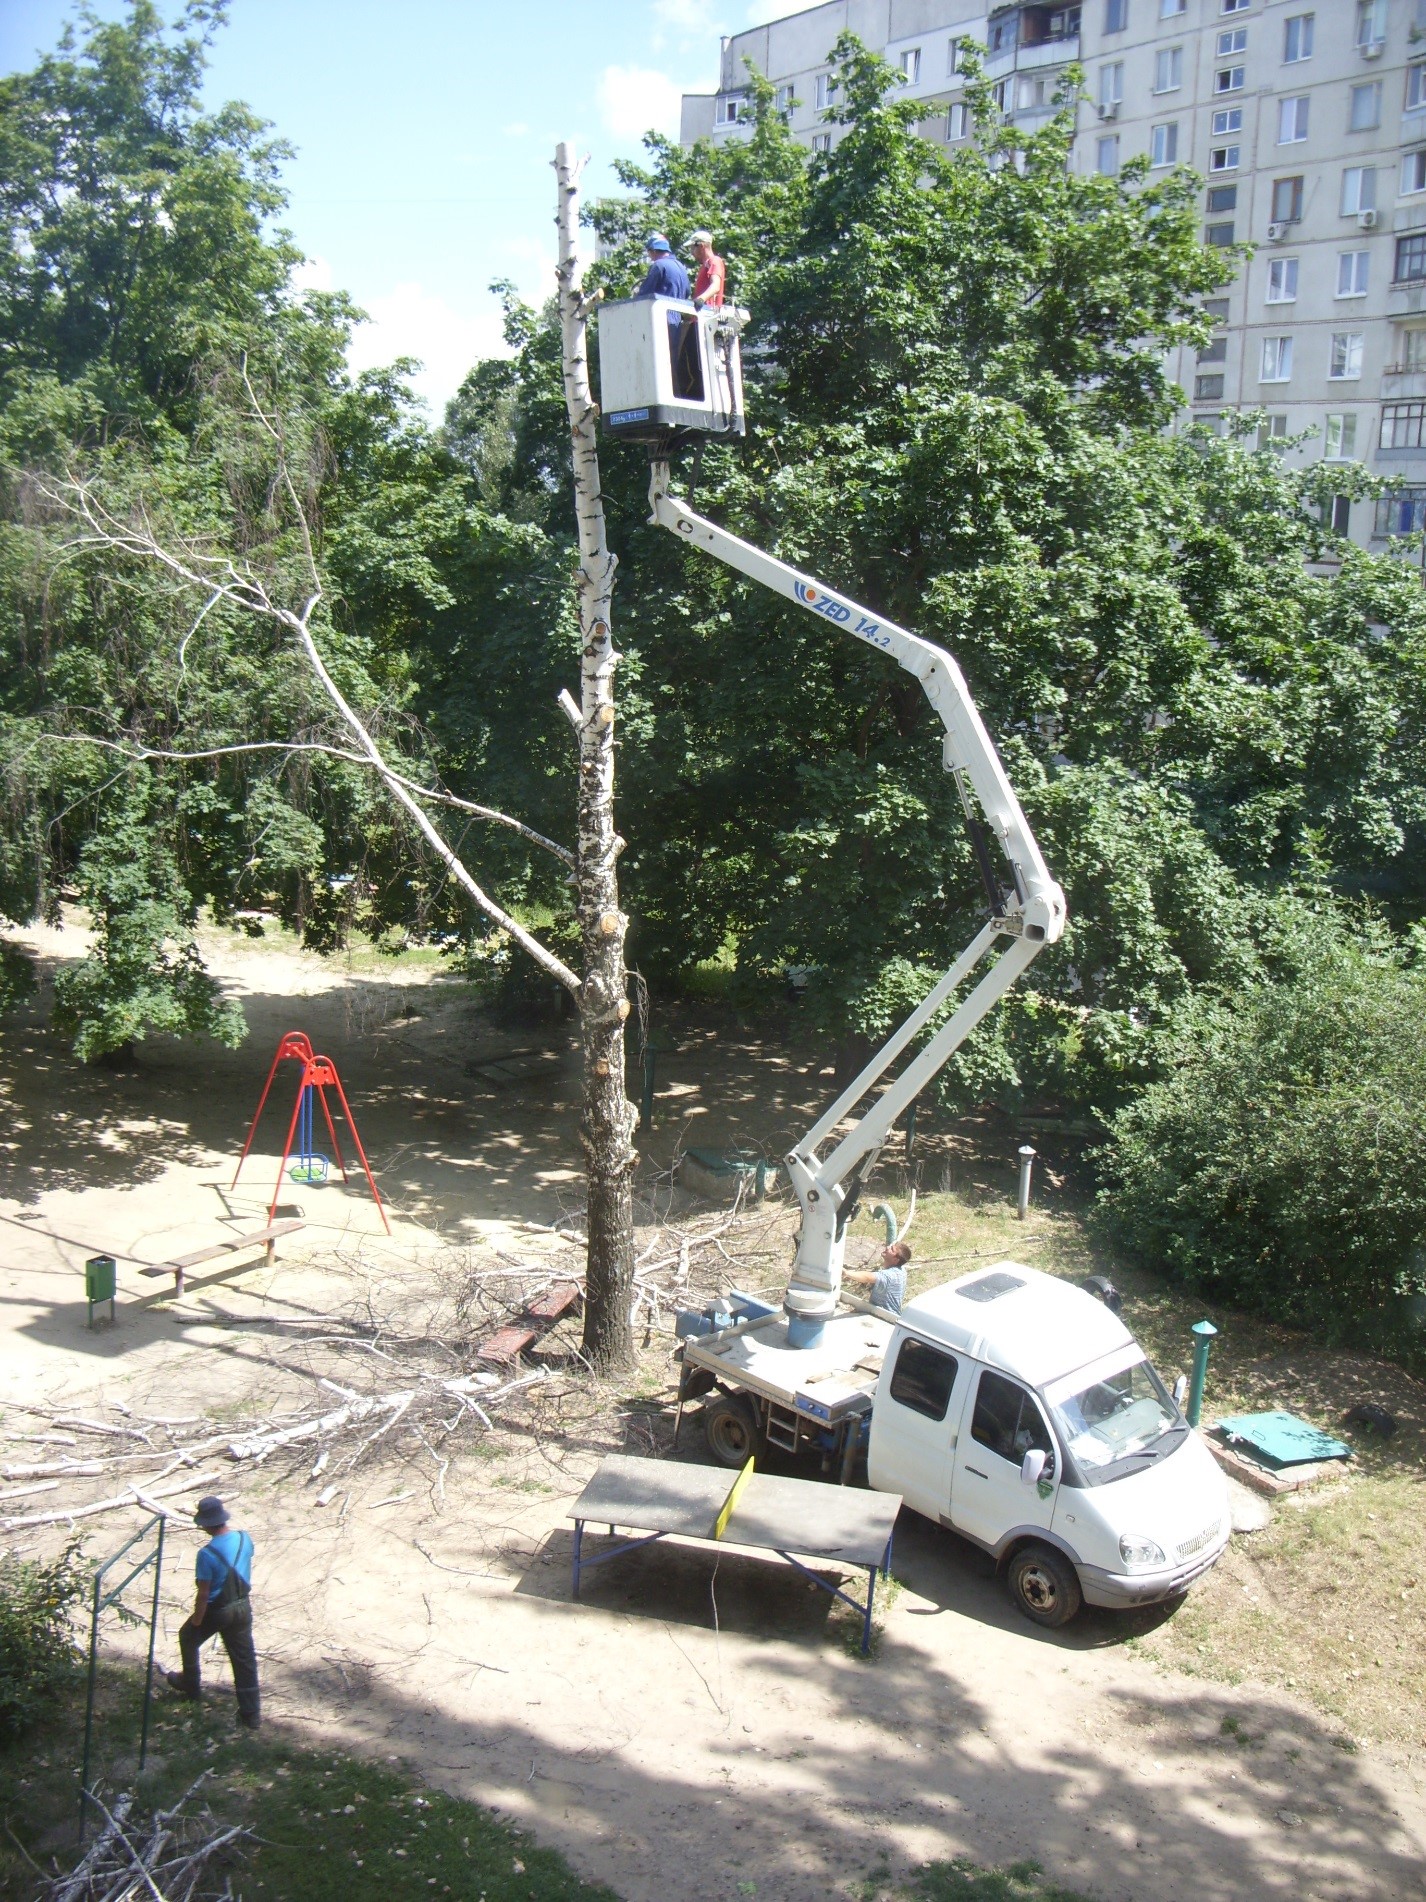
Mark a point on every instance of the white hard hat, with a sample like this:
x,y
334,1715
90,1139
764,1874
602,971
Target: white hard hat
x,y
701,237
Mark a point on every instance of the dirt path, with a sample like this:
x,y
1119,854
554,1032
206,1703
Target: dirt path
x,y
685,1732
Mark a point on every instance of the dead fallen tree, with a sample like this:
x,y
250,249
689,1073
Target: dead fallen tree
x,y
176,1855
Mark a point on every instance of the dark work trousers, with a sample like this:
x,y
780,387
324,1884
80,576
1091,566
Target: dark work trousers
x,y
234,1625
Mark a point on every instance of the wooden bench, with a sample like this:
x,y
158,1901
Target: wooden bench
x,y
506,1346
264,1238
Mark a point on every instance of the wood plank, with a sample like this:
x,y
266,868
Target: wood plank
x,y
230,1246
506,1346
554,1303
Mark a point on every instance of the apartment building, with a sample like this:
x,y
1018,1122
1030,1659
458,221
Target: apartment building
x,y
1307,120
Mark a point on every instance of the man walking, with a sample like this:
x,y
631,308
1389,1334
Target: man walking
x,y
222,1608
710,286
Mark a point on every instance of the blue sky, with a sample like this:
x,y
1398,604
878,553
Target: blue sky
x,y
424,130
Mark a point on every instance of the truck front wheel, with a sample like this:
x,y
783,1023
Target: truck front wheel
x,y
1044,1585
731,1429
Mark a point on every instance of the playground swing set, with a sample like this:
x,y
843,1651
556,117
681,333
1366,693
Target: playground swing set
x,y
319,1074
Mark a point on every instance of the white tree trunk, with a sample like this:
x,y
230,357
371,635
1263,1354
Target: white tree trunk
x,y
609,1117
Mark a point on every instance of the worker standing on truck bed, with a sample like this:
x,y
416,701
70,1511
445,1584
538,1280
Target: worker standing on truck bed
x,y
710,284
665,276
888,1282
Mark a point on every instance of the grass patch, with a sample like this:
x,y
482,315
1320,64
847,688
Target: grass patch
x,y
962,1881
333,1827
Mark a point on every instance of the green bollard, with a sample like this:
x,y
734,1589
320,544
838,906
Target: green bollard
x,y
1203,1332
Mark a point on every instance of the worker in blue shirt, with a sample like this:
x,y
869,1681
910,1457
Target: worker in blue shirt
x,y
665,276
222,1609
886,1284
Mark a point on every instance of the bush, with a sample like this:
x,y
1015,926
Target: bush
x,y
38,1655
1283,1166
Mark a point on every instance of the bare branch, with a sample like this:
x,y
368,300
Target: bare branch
x,y
138,753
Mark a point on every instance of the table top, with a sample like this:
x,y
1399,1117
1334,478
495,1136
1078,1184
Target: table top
x,y
772,1513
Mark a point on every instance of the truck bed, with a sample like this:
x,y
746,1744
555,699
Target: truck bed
x,y
828,1382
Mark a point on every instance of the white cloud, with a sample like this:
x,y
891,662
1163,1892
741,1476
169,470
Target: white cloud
x,y
517,129
312,274
690,19
410,321
634,100
761,11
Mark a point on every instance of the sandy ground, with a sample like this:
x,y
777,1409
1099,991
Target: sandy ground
x,y
691,1729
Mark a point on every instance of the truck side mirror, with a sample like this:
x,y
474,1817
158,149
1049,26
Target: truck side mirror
x,y
1180,1391
1032,1467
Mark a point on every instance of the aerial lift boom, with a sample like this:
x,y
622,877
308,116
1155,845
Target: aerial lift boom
x,y
1026,914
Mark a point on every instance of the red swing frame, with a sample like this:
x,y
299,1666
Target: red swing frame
x,y
318,1073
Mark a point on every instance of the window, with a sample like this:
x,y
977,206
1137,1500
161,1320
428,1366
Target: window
x,y
1171,9
1344,364
1371,22
1116,15
1001,37
1403,425
1413,172
1208,389
1291,121
1106,156
1297,38
1410,260
958,122
826,90
1277,360
1007,1422
1228,79
1234,6
1032,92
1358,190
1364,109
729,110
1214,351
1000,94
1282,281
1168,69
1220,235
1229,119
1163,144
782,100
1401,514
911,65
923,1378
1287,201
1352,273
821,141
1217,308
1223,198
1235,40
1339,439
1223,158
1111,83
1272,431
953,56
1410,350
1337,515
1415,88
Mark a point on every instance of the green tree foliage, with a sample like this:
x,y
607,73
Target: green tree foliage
x,y
38,1656
957,402
1282,1165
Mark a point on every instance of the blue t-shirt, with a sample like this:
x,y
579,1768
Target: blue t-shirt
x,y
233,1549
666,277
888,1289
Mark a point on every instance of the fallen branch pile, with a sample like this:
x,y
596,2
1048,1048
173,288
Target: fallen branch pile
x,y
177,1856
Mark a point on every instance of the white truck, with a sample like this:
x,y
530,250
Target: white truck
x,y
1013,1407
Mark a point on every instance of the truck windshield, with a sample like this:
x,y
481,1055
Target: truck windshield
x,y
1113,1418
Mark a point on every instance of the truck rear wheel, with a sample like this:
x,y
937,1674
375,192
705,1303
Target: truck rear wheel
x,y
731,1429
1044,1585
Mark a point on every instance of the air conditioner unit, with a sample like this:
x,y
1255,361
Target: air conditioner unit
x,y
1109,109
1276,233
1367,220
1373,49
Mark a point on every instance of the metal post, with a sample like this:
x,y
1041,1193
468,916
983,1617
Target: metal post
x,y
1203,1332
153,1639
1027,1158
646,1101
89,1706
910,1132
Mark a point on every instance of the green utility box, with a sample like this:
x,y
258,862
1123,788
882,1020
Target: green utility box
x,y
100,1283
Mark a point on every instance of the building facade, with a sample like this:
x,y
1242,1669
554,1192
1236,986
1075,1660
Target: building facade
x,y
1307,120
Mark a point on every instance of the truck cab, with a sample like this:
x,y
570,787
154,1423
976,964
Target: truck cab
x,y
1019,1411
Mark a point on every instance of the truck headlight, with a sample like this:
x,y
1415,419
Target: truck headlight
x,y
1139,1554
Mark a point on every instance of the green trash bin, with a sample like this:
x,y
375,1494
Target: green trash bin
x,y
100,1283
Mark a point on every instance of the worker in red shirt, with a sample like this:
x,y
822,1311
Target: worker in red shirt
x,y
711,283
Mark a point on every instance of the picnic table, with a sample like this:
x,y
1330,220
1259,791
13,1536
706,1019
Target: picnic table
x,y
761,1512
